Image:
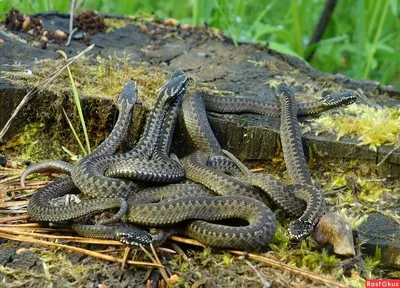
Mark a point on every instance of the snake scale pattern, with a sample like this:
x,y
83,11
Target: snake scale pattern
x,y
208,186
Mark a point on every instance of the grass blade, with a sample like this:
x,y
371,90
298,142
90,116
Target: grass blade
x,y
360,30
78,106
233,36
196,18
260,16
74,132
298,47
376,40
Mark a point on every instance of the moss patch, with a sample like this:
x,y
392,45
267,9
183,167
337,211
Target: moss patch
x,y
114,23
95,78
372,126
100,77
33,143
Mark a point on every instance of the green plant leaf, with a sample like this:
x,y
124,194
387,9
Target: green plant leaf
x,y
282,48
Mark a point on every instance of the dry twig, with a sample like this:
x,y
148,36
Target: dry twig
x,y
270,262
295,270
76,249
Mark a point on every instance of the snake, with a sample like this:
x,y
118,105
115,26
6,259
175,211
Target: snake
x,y
38,206
301,199
201,166
126,103
200,102
90,175
218,104
261,220
296,166
207,169
160,168
244,104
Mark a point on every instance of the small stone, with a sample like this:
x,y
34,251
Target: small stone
x,y
143,28
78,35
333,229
1,41
26,23
43,38
171,22
61,34
21,250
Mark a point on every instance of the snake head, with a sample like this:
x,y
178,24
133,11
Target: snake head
x,y
174,87
133,236
128,95
339,99
283,92
298,230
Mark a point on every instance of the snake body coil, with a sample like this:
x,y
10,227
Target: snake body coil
x,y
191,203
90,174
39,207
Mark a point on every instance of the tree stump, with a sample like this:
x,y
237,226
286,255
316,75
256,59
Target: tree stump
x,y
212,60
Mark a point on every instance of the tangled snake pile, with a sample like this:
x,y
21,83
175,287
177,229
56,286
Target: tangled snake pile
x,y
195,195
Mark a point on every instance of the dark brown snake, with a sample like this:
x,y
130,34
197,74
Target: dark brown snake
x,y
261,220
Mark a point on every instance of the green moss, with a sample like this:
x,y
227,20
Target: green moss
x,y
33,143
371,192
372,126
114,23
304,254
257,63
27,137
95,78
100,77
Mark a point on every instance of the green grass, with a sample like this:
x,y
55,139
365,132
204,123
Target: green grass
x,y
361,41
82,119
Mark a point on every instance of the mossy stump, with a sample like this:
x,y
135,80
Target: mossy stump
x,y
150,51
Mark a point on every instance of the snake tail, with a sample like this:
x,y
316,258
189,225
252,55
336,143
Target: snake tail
x,y
51,165
39,209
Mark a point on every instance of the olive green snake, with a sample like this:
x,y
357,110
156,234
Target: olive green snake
x,y
154,148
